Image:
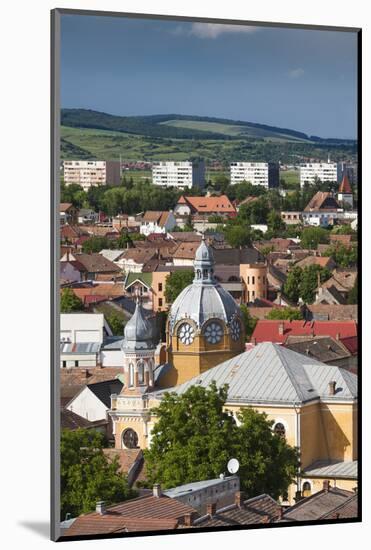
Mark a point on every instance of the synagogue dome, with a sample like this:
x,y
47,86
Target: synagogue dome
x,y
205,298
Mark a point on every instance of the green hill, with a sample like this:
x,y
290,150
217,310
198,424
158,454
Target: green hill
x,y
93,135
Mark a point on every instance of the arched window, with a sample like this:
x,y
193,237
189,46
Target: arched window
x,y
141,372
130,439
307,489
131,375
279,429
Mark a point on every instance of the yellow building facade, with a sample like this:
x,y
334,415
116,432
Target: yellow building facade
x,y
311,404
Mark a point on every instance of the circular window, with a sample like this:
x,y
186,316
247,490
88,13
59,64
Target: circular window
x,y
213,333
279,429
186,334
130,439
235,330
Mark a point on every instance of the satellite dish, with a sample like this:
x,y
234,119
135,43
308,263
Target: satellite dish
x,y
233,466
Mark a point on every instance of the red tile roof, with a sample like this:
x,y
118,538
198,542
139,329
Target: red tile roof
x,y
146,513
157,216
345,186
210,205
64,206
322,200
268,331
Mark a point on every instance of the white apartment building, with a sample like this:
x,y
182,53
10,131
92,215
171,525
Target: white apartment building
x,y
312,171
182,174
91,173
256,173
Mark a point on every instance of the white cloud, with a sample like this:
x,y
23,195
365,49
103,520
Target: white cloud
x,y
213,30
296,73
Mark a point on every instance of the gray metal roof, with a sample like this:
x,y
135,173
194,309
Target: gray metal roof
x,y
113,343
271,373
203,302
139,331
205,298
82,347
326,468
112,255
196,486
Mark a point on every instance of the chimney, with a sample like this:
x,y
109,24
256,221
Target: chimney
x,y
332,387
265,519
338,336
326,485
87,374
100,507
211,508
280,513
238,498
280,328
188,519
157,490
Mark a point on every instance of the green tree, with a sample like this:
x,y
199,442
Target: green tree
x,y
343,230
95,244
116,323
124,240
176,282
74,194
311,276
248,321
195,437
344,256
237,235
311,237
87,476
267,463
275,223
70,302
292,284
353,293
285,313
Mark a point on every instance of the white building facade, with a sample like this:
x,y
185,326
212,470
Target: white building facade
x,y
91,173
181,174
310,172
265,174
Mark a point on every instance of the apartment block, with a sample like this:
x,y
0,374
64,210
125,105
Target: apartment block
x,y
182,174
310,172
91,173
256,173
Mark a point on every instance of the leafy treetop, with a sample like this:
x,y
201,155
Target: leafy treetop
x,y
195,437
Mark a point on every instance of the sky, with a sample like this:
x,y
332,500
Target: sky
x,y
304,80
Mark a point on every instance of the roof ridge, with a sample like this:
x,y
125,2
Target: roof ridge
x,y
277,348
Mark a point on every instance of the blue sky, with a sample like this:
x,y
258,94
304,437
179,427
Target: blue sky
x,y
300,79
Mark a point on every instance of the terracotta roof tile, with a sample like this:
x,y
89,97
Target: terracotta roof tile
x,y
210,205
96,263
322,200
141,514
268,331
345,187
261,509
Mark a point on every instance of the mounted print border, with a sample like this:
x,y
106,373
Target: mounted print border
x,y
204,282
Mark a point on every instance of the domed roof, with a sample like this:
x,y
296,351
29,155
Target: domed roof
x,y
204,253
203,302
138,331
205,298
